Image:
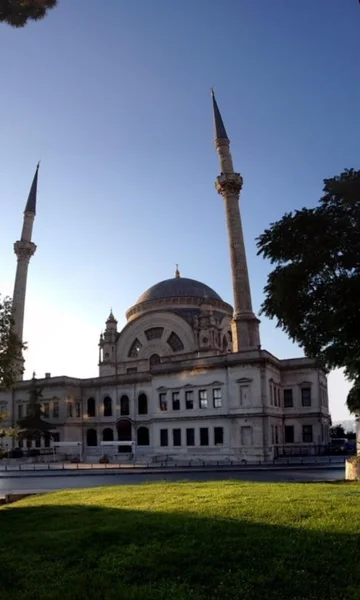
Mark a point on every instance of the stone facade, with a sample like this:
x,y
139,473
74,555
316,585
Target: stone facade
x,y
186,378
239,406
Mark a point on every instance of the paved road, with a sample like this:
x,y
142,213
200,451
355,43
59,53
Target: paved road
x,y
58,482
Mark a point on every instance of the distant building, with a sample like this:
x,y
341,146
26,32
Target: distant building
x,y
186,377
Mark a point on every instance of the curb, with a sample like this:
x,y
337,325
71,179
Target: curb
x,y
164,471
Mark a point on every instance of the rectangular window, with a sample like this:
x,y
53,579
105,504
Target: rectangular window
x,y
204,436
189,400
69,409
164,437
288,398
289,434
177,437
278,397
162,402
218,436
56,409
38,442
307,434
217,397
275,401
131,370
20,411
56,437
46,409
271,394
78,409
306,396
20,443
190,437
203,399
176,400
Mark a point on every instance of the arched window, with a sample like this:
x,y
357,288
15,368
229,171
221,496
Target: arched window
x,y
135,349
143,436
224,344
124,405
124,430
124,435
175,342
142,404
107,407
108,435
91,407
91,437
154,333
154,360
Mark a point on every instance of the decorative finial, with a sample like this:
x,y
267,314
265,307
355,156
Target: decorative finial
x,y
34,375
177,272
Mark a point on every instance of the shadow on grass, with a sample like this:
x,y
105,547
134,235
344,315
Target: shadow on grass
x,y
95,553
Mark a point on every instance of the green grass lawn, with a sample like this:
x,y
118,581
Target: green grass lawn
x,y
180,541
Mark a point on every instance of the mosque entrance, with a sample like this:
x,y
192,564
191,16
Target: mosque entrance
x,y
124,430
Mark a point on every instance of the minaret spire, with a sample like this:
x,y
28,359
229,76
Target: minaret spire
x,y
24,249
245,325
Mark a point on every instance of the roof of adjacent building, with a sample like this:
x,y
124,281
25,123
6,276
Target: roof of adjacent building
x,y
178,287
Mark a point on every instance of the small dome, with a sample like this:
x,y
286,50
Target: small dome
x,y
178,287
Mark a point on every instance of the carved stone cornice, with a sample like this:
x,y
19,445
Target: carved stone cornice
x,y
229,183
24,250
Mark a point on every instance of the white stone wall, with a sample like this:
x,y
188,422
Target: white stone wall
x,y
252,412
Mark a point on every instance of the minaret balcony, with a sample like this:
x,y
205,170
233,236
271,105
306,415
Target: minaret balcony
x,y
24,249
229,183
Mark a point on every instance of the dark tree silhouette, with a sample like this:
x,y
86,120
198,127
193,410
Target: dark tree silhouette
x,y
11,365
33,426
314,290
18,12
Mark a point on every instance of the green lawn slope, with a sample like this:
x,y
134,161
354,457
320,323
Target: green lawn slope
x,y
184,541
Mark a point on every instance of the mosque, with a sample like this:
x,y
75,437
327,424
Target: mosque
x,y
186,378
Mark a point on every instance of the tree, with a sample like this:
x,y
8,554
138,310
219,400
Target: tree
x,y
314,290
337,431
11,364
18,12
33,426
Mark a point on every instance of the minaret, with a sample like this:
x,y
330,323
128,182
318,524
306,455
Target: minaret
x,y
245,325
24,249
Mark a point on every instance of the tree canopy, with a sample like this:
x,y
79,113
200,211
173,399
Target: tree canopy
x,y
18,12
11,347
33,426
314,290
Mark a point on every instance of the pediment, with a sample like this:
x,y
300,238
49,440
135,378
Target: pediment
x,y
244,380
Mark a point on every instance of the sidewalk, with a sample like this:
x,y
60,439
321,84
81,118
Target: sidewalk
x,y
56,470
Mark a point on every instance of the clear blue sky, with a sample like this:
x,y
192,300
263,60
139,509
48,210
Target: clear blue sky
x,y
115,102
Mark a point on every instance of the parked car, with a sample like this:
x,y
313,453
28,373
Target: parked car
x,y
340,446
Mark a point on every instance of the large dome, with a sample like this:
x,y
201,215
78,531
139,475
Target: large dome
x,y
178,287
